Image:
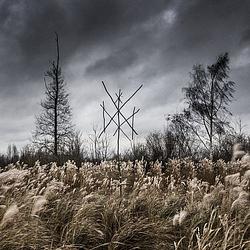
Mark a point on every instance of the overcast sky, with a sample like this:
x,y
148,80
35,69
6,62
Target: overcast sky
x,y
122,42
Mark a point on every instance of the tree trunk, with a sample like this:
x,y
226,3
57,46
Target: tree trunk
x,y
211,121
56,101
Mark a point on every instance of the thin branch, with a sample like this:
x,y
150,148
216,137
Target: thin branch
x,y
133,120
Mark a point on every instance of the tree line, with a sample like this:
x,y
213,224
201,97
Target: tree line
x,y
202,129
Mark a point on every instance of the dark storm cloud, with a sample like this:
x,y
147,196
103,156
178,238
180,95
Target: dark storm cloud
x,y
203,29
200,31
124,42
115,62
27,44
27,27
246,36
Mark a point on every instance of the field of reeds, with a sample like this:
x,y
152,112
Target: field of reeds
x,y
180,205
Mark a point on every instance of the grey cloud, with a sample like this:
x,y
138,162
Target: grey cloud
x,y
245,39
143,41
114,63
27,32
202,30
79,23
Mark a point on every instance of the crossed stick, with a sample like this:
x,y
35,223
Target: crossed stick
x,y
119,107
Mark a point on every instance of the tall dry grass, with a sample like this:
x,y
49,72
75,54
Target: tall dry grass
x,y
183,205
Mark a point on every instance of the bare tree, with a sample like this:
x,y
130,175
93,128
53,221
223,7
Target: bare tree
x,y
208,97
99,147
12,153
54,125
155,146
184,142
76,151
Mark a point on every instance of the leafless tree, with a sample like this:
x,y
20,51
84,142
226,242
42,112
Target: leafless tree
x,y
99,147
12,153
184,142
77,151
54,125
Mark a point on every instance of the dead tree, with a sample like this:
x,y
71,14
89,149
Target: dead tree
x,y
54,127
99,147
